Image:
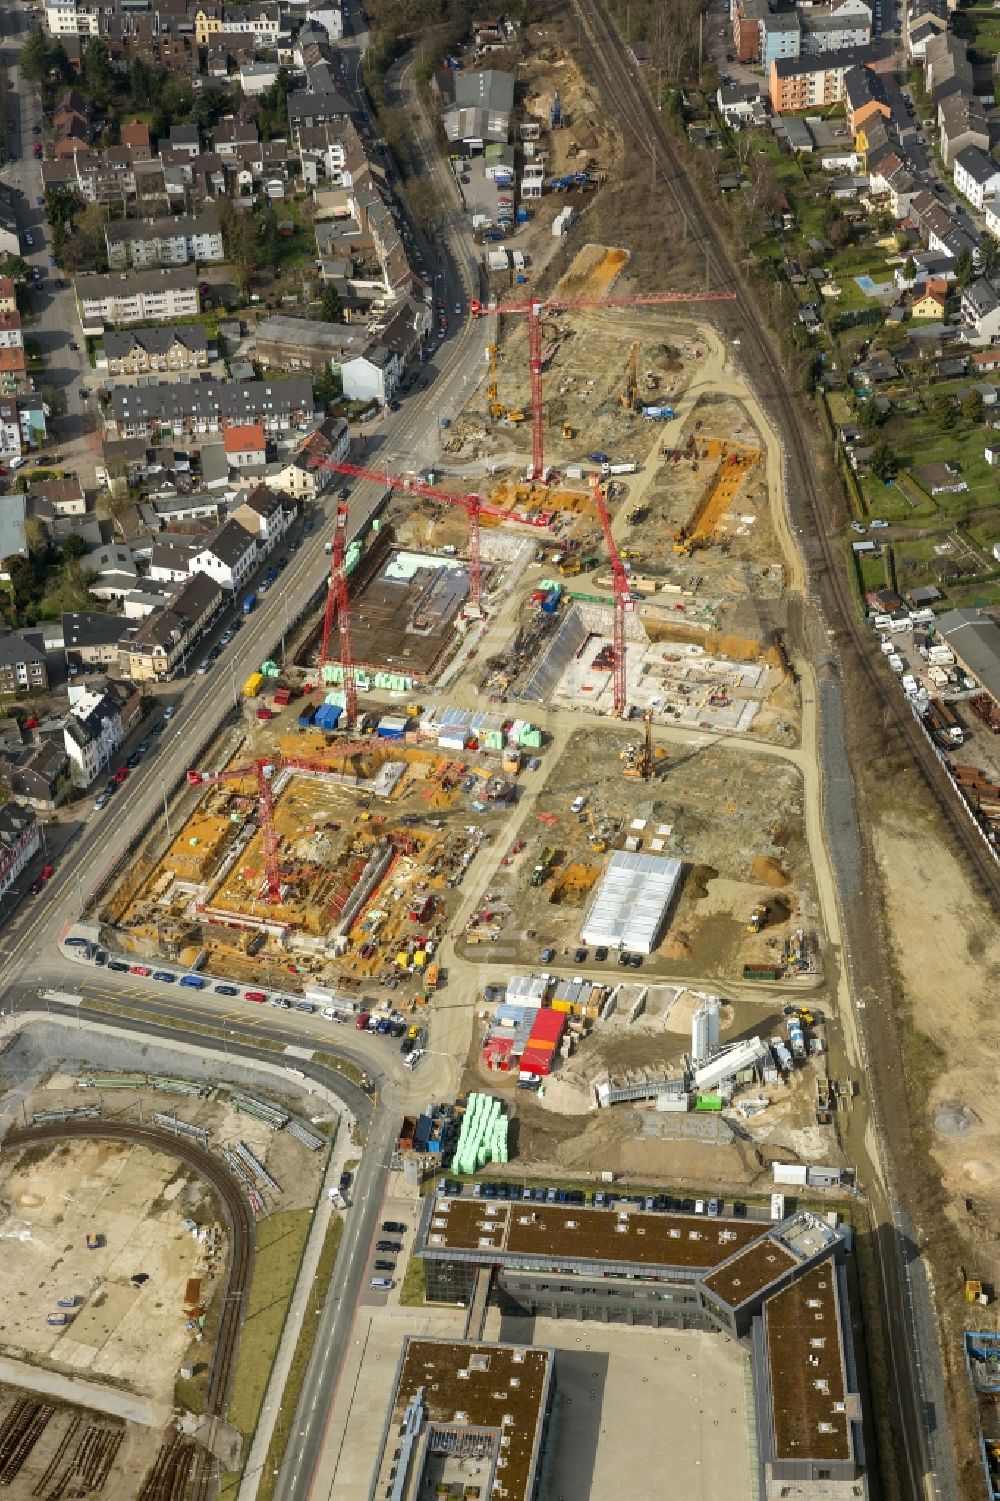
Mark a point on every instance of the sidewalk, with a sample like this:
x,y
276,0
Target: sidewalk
x,y
298,1309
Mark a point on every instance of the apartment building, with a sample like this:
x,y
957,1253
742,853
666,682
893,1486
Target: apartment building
x,y
20,841
23,667
209,407
139,297
169,631
11,336
170,241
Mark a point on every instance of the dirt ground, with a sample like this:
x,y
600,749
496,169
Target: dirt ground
x,y
134,1200
127,1451
732,815
948,955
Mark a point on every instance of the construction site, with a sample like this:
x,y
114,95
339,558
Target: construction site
x,y
308,856
732,816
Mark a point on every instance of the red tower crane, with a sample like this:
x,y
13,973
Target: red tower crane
x,y
263,772
533,310
471,504
337,603
621,603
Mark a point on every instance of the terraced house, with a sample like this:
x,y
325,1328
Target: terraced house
x,y
140,351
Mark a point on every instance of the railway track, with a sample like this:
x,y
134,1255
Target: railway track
x,y
197,1476
827,572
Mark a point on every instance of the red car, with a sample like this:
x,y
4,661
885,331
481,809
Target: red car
x,y
121,774
48,871
255,995
139,969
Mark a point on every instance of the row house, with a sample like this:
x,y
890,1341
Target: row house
x,y
23,664
140,297
976,176
261,23
20,841
11,336
143,351
180,410
229,556
333,153
168,632
266,515
92,733
304,477
170,241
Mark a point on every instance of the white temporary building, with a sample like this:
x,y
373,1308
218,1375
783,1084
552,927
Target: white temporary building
x,y
631,903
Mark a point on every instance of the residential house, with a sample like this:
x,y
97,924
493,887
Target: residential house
x,y
373,376
8,295
310,108
947,69
877,370
864,96
172,558
779,37
10,433
36,774
919,34
169,631
201,407
23,666
113,572
92,733
477,106
185,139
304,477
266,515
139,297
59,497
20,841
992,209
284,343
981,309
229,556
11,336
140,351
170,241
977,176
92,639
246,447
931,300
963,123
135,137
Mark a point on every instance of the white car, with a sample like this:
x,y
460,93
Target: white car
x,y
878,526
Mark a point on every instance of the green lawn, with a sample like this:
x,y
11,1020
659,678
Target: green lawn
x,y
980,26
281,1239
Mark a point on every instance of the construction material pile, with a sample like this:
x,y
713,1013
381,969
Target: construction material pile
x,y
483,1137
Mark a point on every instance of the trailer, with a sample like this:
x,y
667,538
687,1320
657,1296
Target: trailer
x,y
949,720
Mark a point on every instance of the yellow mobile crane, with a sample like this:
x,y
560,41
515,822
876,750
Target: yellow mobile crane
x,y
496,406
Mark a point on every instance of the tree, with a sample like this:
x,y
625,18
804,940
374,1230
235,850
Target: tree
x,y
73,548
327,388
143,84
14,266
269,239
910,269
883,460
943,411
870,417
239,234
36,56
97,77
989,255
965,269
332,308
973,407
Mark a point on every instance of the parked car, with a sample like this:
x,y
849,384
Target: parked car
x,y
225,990
257,996
139,969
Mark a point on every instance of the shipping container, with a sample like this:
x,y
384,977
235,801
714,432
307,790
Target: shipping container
x,y
709,1102
253,685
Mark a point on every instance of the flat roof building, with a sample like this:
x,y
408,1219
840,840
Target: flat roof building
x,y
631,903
466,1418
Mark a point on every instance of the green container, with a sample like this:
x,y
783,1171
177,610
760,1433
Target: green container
x,y
709,1102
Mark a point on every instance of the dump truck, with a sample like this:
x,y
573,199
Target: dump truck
x,y
757,918
541,870
253,685
432,978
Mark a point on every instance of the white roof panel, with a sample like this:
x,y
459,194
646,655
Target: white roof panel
x,y
631,903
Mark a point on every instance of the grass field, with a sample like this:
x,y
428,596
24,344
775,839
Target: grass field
x,y
280,1242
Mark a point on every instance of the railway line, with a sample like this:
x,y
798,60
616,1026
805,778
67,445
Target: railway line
x,y
183,1470
926,1466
